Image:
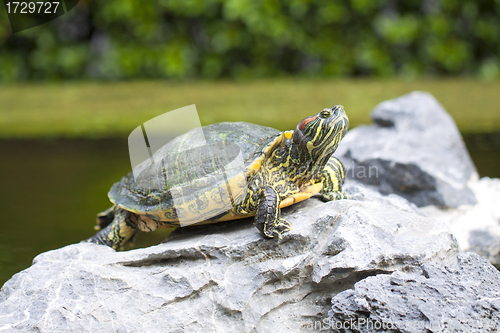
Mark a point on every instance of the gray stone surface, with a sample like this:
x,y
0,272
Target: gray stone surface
x,y
476,227
460,297
413,149
225,277
487,244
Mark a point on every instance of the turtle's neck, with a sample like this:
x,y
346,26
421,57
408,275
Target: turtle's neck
x,y
301,156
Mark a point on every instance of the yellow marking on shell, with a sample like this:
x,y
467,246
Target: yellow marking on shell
x,y
238,189
231,215
301,196
228,217
309,192
257,163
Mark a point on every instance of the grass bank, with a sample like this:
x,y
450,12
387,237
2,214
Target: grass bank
x,y
113,109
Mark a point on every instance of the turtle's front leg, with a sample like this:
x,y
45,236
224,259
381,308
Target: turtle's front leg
x,y
333,179
268,216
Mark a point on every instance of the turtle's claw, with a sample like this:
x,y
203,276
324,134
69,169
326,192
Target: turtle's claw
x,y
277,228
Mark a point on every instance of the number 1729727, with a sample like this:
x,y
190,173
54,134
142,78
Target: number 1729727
x,y
32,7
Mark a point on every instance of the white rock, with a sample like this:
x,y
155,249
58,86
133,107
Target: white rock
x,y
475,226
224,277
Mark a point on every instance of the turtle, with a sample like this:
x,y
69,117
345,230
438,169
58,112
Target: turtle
x,y
234,170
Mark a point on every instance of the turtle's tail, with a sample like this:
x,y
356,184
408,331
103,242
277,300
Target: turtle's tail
x,y
117,232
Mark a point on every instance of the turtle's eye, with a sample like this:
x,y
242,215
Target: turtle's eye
x,y
325,114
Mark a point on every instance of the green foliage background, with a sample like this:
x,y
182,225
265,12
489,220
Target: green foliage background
x,y
116,39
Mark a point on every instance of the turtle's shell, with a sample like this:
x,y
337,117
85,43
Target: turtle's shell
x,y
192,165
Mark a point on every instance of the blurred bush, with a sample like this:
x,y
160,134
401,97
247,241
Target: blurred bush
x,y
116,39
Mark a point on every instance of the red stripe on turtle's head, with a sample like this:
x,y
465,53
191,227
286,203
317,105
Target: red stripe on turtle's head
x,y
322,130
304,122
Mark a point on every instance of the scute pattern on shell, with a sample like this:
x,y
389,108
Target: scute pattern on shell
x,y
181,160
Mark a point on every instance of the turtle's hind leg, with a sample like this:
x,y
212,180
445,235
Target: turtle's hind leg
x,y
118,232
105,218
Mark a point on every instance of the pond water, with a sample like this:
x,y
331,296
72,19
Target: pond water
x,y
52,189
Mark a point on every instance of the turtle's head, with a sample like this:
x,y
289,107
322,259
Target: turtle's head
x,y
320,134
